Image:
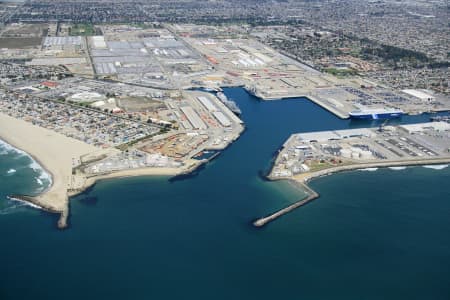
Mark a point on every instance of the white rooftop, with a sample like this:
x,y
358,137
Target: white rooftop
x,y
439,126
418,94
322,136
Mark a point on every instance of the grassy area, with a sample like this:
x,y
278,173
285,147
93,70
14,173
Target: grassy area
x,y
82,29
341,72
318,166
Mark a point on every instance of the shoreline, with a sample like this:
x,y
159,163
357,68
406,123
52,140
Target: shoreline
x,y
34,158
53,152
33,201
64,183
302,181
307,177
37,202
90,181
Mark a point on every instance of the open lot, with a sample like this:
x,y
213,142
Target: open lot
x,y
20,43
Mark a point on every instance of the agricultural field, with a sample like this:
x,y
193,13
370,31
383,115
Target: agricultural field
x,y
20,36
83,30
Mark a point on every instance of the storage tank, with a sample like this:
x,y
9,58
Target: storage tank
x,y
347,153
365,154
355,155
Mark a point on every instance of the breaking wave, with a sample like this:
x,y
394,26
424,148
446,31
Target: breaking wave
x,y
436,167
6,148
11,171
397,168
43,178
14,205
369,169
23,203
43,175
10,209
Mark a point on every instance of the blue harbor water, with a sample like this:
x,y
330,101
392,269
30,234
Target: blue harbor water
x,y
371,235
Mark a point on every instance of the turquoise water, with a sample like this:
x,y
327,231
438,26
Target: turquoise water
x,y
371,235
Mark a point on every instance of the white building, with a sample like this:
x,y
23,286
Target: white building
x,y
419,94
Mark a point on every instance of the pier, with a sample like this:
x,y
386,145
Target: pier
x,y
312,196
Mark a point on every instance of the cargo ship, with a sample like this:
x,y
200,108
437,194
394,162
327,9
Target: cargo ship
x,y
229,103
376,113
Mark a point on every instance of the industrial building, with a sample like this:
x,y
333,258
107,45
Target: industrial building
x,y
193,117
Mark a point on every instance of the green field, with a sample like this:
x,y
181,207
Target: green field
x,y
341,72
82,29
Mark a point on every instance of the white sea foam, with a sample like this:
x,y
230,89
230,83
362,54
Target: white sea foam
x,y
12,206
10,209
6,148
46,177
43,175
24,203
11,171
436,167
397,168
35,166
369,169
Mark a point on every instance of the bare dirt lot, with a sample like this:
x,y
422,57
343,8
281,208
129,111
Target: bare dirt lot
x,y
19,43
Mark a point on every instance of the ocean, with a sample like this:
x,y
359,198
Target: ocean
x,y
382,234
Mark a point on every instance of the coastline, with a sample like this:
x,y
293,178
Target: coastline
x,y
302,181
307,177
39,202
150,171
53,152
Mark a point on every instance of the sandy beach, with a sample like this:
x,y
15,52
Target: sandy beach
x,y
53,151
81,182
85,182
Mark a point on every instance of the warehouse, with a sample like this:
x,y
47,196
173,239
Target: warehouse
x,y
222,119
207,103
193,117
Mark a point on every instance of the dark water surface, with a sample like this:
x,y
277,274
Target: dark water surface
x,y
371,235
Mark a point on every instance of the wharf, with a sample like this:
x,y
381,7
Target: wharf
x,y
324,104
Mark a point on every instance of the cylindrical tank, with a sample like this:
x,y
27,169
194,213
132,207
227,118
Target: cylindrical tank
x,y
347,153
365,154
